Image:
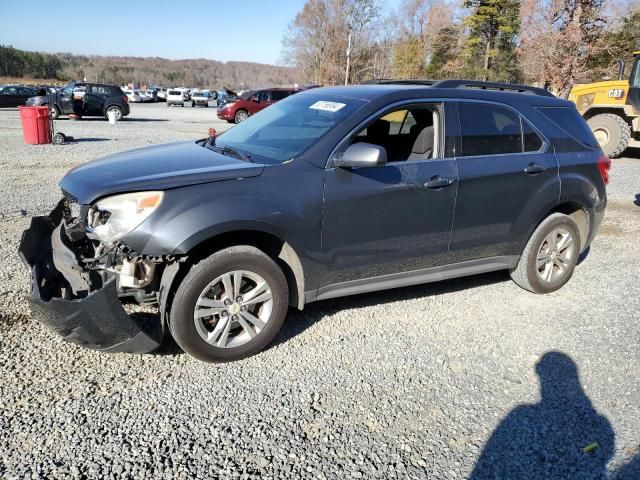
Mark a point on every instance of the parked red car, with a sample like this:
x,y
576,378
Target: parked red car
x,y
252,102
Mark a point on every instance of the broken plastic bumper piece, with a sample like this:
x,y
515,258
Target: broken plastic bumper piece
x,y
80,305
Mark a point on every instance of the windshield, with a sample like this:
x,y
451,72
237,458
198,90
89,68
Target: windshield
x,y
288,128
634,80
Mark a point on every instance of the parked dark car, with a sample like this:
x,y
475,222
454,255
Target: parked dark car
x,y
15,95
85,99
331,192
252,102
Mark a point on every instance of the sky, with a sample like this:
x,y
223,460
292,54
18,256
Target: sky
x,y
245,30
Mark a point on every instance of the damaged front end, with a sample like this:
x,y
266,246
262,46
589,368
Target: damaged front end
x,y
77,281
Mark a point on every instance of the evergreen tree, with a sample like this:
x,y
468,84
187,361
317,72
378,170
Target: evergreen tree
x,y
490,49
445,51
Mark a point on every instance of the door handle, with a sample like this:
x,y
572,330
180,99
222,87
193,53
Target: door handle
x,y
438,182
534,168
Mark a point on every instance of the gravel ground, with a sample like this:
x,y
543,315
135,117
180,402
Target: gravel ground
x,y
430,381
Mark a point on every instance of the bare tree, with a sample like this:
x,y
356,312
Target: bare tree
x,y
317,39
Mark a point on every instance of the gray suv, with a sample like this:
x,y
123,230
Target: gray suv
x,y
330,192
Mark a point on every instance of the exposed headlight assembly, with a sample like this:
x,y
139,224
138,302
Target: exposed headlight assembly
x,y
113,217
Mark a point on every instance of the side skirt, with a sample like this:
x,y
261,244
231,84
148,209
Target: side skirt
x,y
414,277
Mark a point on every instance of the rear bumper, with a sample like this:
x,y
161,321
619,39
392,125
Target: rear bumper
x,y
97,320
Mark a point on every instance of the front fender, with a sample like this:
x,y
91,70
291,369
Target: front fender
x,y
285,201
189,216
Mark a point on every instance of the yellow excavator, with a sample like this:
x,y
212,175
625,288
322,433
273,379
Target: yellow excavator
x,y
612,108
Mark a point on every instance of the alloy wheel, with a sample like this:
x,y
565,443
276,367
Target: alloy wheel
x,y
233,309
555,255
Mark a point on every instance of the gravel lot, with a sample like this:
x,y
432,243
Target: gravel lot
x,y
429,381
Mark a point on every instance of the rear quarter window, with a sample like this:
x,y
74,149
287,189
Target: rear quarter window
x,y
572,123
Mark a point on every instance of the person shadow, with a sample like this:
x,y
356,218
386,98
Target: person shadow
x,y
561,437
628,471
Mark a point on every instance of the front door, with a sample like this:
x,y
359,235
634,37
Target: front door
x,y
259,101
508,177
395,218
94,100
66,98
9,97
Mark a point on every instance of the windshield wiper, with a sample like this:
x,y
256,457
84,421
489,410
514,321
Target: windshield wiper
x,y
228,151
232,152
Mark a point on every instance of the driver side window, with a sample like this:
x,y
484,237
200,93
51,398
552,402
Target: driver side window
x,y
68,90
407,134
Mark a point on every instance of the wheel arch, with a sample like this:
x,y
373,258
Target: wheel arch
x,y
602,109
578,212
109,105
281,251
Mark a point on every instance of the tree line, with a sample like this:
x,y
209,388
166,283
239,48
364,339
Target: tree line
x,y
552,43
18,63
151,71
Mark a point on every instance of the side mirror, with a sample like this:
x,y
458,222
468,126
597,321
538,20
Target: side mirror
x,y
362,155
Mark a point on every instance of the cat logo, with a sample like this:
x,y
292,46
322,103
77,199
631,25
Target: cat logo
x,y
616,93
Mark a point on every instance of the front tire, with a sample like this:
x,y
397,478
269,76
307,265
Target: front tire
x,y
54,112
230,305
612,132
550,256
240,116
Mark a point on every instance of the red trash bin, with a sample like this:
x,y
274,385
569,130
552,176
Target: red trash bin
x,y
36,125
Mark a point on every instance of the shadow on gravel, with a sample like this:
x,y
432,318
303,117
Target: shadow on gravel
x,y
297,322
632,152
88,139
560,437
125,120
637,200
629,471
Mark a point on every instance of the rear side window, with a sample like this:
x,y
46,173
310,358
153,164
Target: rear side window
x,y
569,120
531,141
489,130
99,90
279,95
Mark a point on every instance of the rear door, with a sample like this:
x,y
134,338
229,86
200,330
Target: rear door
x,y
508,175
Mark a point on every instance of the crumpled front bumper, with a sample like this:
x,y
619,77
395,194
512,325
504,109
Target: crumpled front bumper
x,y
96,321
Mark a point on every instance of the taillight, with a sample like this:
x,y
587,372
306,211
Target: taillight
x,y
125,99
604,165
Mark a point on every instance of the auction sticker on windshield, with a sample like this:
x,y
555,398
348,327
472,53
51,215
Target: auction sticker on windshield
x,y
327,106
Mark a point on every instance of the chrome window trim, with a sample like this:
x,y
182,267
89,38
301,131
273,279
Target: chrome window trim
x,y
543,149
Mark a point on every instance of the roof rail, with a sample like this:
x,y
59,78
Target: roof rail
x,y
387,81
503,87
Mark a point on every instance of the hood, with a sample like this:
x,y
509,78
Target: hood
x,y
159,167
578,87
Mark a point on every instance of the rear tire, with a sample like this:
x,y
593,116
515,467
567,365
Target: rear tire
x,y
118,111
203,291
612,132
550,256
